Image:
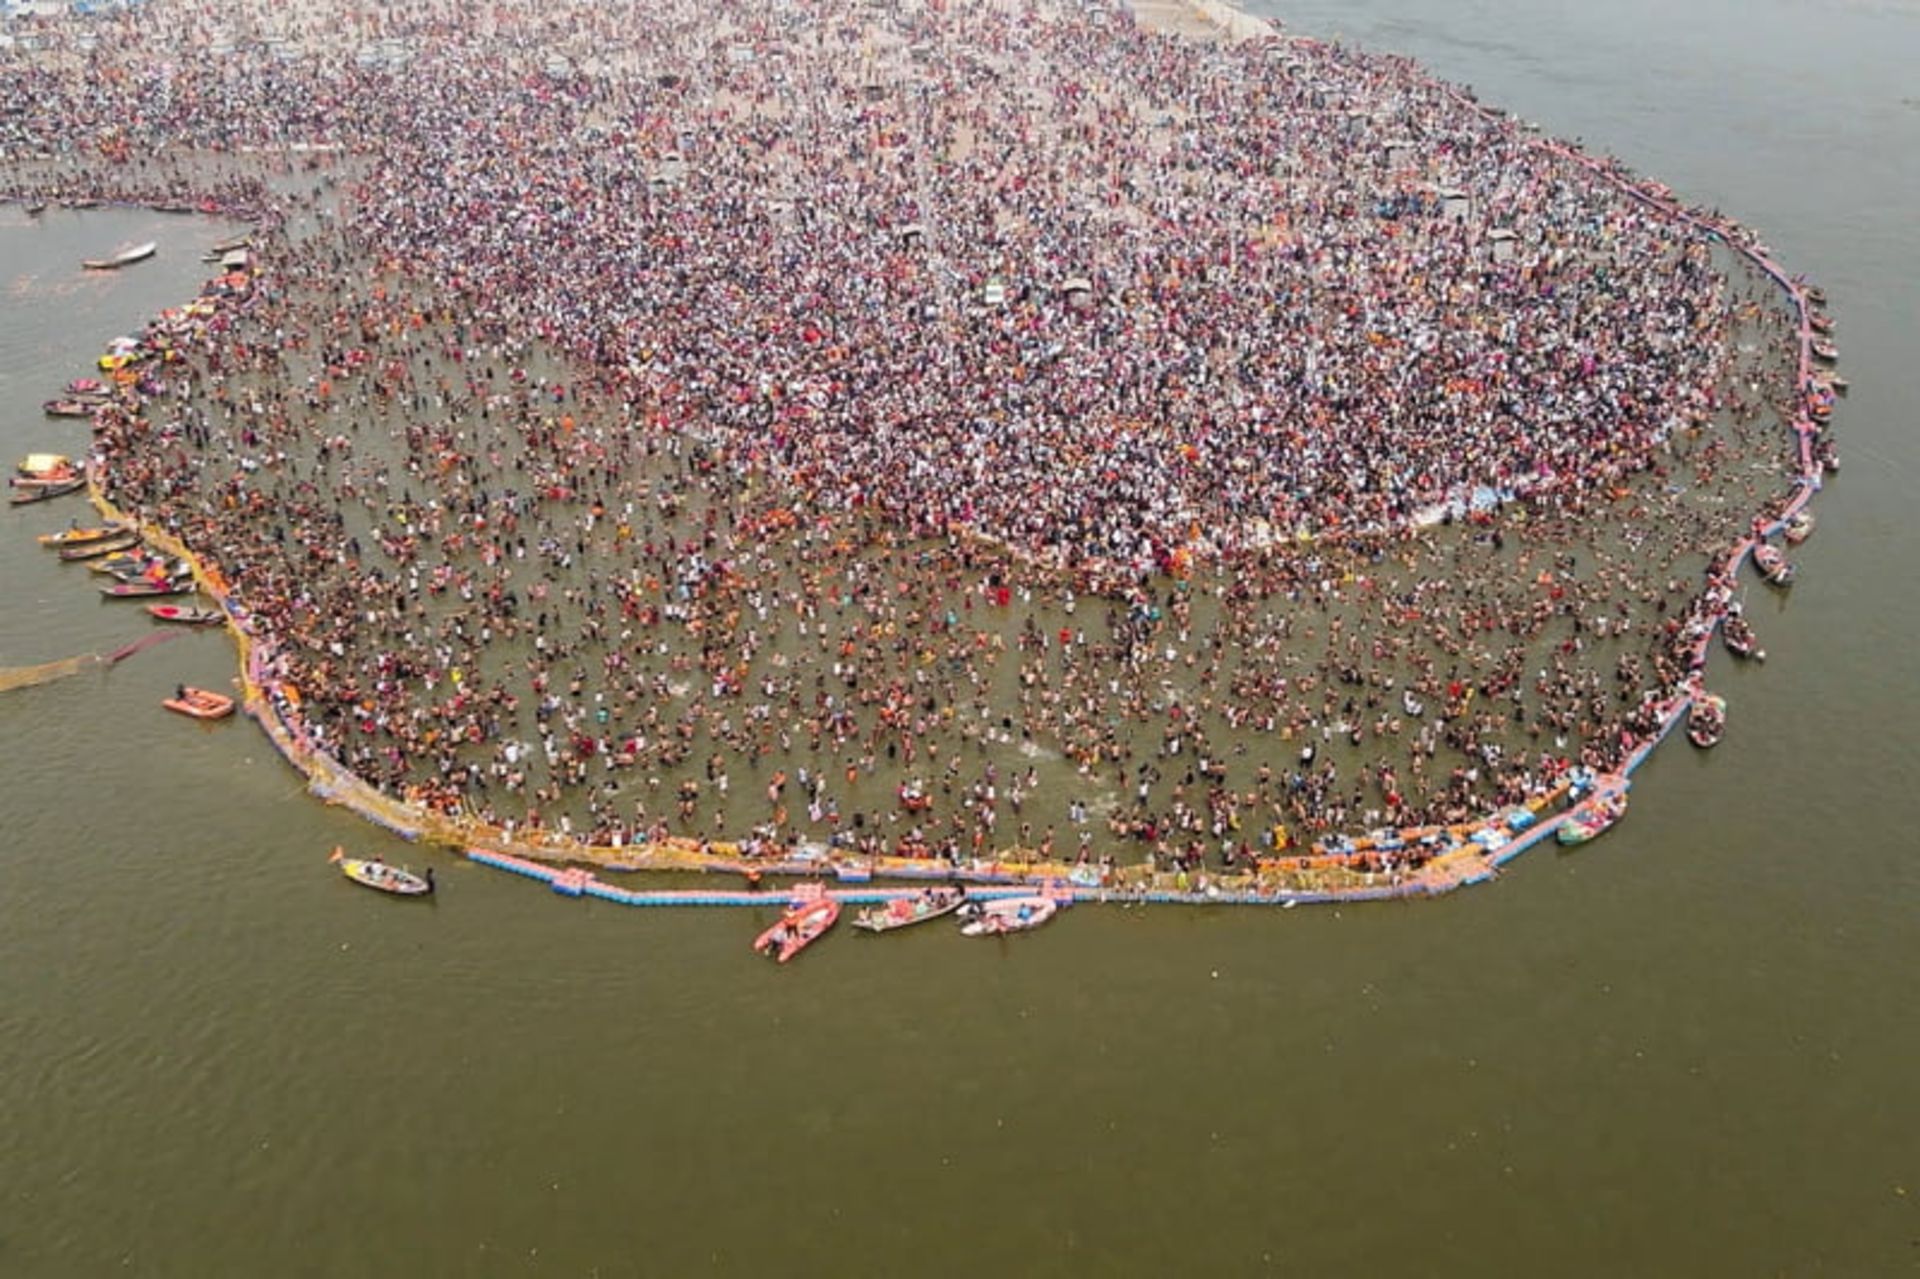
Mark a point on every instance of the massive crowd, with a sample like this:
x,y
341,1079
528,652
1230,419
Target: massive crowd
x,y
935,428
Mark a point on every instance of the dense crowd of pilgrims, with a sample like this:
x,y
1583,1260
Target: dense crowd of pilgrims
x,y
935,428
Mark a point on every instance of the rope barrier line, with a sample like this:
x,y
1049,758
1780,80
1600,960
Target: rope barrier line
x,y
1368,868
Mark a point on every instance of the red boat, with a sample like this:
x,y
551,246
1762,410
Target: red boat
x,y
186,616
810,915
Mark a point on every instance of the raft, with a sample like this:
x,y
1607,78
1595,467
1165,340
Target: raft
x,y
200,703
799,926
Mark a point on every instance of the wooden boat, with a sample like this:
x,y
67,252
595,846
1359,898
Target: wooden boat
x,y
31,482
800,925
87,386
1819,323
45,492
1824,350
186,616
102,548
148,590
129,565
1772,564
77,536
1815,294
70,406
228,245
1799,528
376,874
918,909
1737,634
125,257
1009,915
1706,720
200,703
1596,818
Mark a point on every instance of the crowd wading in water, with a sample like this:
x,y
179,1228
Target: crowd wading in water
x,y
988,440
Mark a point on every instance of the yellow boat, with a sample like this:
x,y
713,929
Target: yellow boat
x,y
81,536
387,879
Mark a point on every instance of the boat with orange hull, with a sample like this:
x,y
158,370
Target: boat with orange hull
x,y
800,925
200,703
76,536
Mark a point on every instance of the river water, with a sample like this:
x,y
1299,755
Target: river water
x,y
1682,1050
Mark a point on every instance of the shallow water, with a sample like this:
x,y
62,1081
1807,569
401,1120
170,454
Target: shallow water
x,y
1681,1050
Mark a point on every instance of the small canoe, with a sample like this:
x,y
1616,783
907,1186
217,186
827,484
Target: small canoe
x,y
125,257
1598,817
1009,915
70,407
99,550
45,492
147,590
200,703
183,616
799,926
903,911
76,536
376,874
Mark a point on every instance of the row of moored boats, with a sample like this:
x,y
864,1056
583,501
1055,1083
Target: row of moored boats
x,y
812,912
